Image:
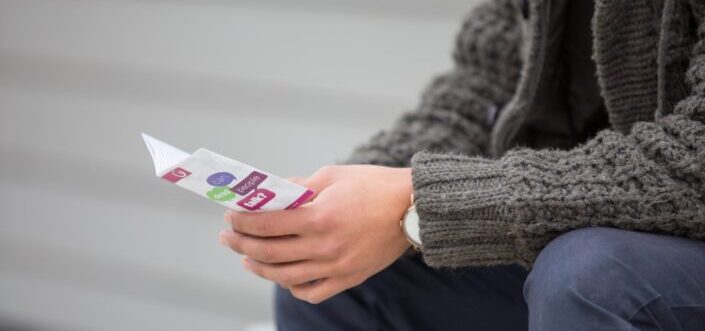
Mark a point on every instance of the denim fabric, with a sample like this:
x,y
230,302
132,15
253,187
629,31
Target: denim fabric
x,y
411,296
610,279
588,279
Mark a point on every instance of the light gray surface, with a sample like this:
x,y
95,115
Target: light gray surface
x,y
89,239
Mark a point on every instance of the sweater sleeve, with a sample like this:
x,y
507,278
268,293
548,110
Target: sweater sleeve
x,y
476,211
456,109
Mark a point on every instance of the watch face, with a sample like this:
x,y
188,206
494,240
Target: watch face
x,y
411,226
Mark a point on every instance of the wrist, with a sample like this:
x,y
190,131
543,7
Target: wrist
x,y
409,222
408,186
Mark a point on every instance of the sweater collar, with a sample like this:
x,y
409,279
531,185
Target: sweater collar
x,y
514,112
640,49
626,35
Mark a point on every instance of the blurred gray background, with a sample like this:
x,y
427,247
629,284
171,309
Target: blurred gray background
x,y
89,238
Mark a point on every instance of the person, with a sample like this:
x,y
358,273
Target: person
x,y
558,172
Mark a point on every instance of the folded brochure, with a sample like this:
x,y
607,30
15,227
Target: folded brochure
x,y
231,183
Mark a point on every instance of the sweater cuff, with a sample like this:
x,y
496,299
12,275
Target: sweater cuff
x,y
462,203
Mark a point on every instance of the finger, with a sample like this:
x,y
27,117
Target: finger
x,y
319,290
317,182
289,274
320,180
271,250
271,223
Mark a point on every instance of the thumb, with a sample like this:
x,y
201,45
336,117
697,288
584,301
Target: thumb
x,y
319,181
296,179
304,182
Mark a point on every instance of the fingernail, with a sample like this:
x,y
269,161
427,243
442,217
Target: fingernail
x,y
247,263
227,215
221,238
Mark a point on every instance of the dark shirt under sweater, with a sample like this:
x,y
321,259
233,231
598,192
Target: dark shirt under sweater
x,y
570,109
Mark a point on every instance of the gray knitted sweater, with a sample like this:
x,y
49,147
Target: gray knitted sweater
x,y
485,200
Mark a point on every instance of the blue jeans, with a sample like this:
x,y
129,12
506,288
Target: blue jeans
x,y
588,279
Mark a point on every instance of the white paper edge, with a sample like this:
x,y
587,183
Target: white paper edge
x,y
164,156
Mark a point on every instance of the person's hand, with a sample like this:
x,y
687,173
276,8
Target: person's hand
x,y
349,232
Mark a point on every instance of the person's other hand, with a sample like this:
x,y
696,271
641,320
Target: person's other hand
x,y
349,232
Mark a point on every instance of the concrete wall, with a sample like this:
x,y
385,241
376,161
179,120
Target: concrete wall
x,y
89,238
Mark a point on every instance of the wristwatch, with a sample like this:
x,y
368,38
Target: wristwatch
x,y
410,226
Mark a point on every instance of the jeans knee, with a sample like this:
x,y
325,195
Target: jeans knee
x,y
582,265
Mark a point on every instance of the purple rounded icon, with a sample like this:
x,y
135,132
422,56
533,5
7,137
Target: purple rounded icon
x,y
220,179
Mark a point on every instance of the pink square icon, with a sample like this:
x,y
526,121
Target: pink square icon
x,y
176,174
256,199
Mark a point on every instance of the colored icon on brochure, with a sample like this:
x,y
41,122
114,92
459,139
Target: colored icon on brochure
x,y
176,174
220,179
250,183
221,193
256,199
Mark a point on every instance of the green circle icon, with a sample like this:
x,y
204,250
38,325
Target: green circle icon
x,y
221,194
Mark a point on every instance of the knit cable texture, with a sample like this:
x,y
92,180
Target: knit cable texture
x,y
646,174
456,110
